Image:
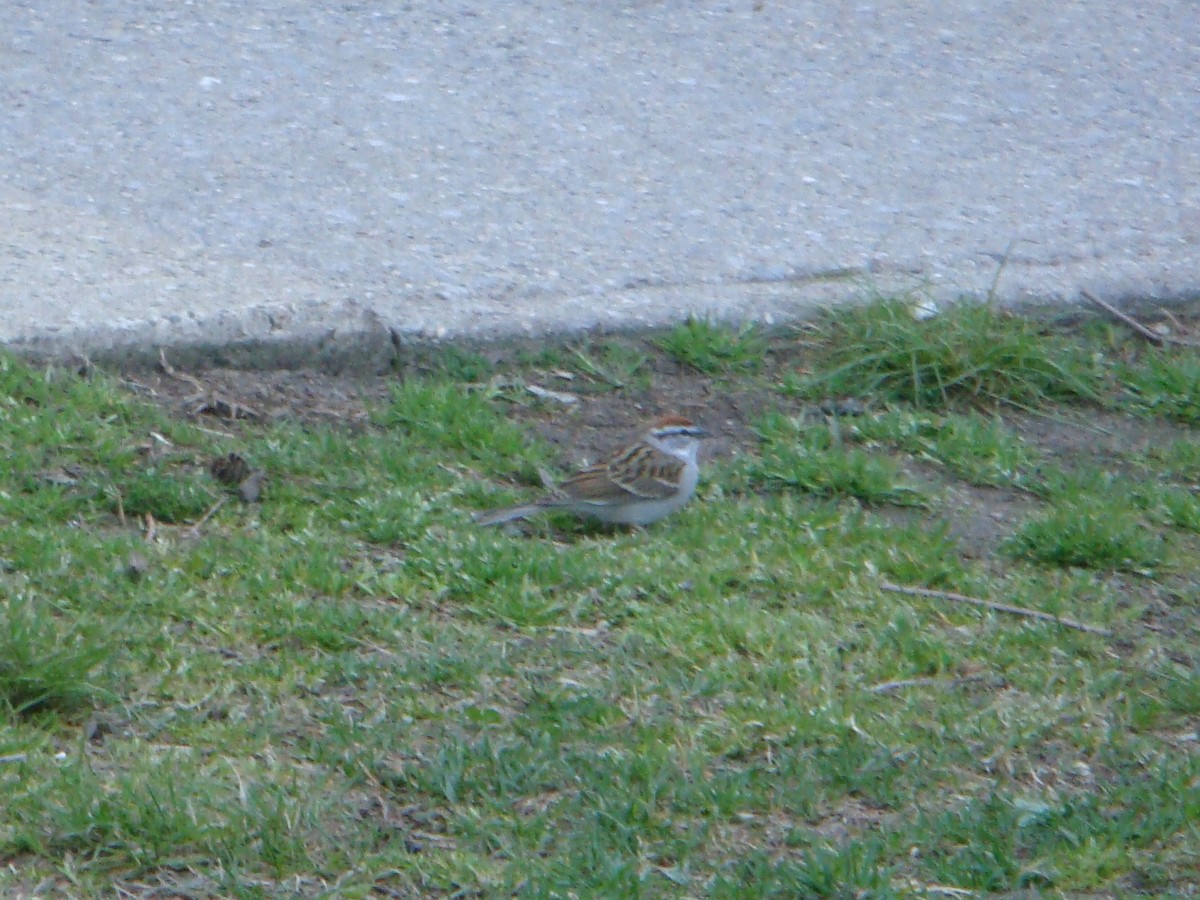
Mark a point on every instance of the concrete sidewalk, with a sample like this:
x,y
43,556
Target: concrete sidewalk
x,y
295,178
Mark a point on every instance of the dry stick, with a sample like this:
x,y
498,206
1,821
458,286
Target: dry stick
x,y
888,687
181,376
1152,336
214,432
212,511
151,529
1148,333
999,607
1179,326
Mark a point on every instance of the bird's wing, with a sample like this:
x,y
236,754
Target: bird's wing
x,y
639,473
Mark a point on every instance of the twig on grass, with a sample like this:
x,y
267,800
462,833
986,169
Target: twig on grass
x,y
998,607
890,687
212,511
176,374
948,890
206,400
1148,333
213,431
1179,326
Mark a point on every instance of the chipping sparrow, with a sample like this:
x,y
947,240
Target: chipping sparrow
x,y
635,486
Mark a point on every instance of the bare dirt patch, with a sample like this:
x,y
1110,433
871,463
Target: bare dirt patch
x,y
599,422
1094,434
980,517
235,394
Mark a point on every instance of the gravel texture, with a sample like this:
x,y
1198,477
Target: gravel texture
x,y
289,182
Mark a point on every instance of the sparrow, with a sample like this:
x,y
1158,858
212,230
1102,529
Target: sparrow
x,y
638,485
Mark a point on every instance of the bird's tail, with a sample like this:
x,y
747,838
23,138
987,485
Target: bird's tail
x,y
506,514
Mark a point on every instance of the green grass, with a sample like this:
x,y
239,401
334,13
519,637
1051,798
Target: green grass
x,y
715,349
979,449
1180,509
1094,533
970,352
807,457
1178,459
351,690
1166,383
614,364
48,658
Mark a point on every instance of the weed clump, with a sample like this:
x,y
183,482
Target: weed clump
x,y
971,352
